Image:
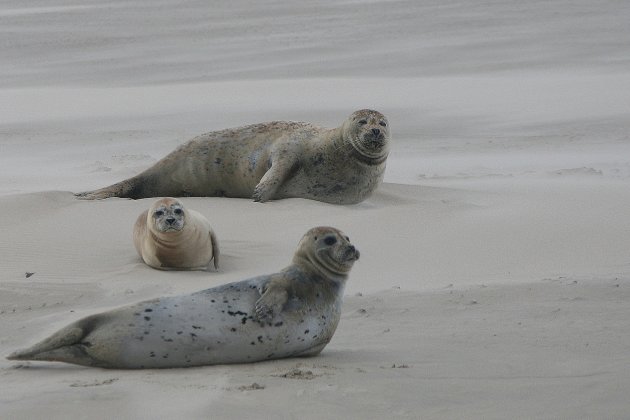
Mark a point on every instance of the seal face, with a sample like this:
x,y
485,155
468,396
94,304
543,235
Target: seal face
x,y
294,312
270,161
170,237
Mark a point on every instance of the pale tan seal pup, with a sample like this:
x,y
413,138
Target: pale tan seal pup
x,y
291,313
170,237
270,161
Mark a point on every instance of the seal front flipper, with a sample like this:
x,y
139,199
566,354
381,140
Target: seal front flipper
x,y
284,166
274,295
269,183
215,249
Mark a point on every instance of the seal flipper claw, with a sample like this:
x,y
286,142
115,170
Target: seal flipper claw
x,y
270,303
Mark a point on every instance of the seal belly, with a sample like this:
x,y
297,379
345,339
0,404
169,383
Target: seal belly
x,y
217,326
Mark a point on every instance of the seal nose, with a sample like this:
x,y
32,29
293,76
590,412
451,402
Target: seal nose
x,y
376,131
170,220
353,250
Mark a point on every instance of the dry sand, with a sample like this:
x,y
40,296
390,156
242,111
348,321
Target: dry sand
x,y
494,280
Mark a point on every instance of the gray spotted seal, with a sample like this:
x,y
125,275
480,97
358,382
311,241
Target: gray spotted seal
x,y
170,237
290,313
270,161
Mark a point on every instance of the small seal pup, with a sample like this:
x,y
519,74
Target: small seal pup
x,y
169,237
290,313
270,161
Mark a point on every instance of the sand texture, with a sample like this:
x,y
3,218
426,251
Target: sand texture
x,y
494,279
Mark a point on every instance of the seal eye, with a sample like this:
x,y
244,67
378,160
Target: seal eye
x,y
383,124
362,122
330,240
159,213
177,211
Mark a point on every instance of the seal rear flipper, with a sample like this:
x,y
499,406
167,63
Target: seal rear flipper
x,y
63,346
215,249
74,354
65,337
133,187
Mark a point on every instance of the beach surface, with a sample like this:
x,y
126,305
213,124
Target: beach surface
x,y
494,279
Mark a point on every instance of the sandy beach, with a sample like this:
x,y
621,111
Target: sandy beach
x,y
494,279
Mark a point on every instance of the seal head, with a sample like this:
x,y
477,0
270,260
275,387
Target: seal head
x,y
368,132
167,215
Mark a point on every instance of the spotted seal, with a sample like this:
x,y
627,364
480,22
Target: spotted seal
x,y
270,161
170,237
290,313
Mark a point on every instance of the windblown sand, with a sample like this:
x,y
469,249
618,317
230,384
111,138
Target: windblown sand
x,y
494,279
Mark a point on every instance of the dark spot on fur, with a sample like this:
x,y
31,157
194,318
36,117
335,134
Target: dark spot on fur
x,y
146,333
318,159
165,356
152,354
195,327
180,332
244,320
252,343
306,331
212,300
217,161
233,329
148,310
147,318
260,339
337,188
136,313
193,335
278,324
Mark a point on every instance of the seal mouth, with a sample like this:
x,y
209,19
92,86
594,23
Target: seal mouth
x,y
373,141
351,254
169,228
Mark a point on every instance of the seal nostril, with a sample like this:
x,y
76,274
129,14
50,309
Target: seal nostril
x,y
170,220
376,131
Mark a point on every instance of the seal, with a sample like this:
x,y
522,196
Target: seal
x,y
270,161
290,313
169,237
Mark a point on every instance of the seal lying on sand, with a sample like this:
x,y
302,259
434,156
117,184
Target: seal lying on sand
x,y
170,237
270,161
291,313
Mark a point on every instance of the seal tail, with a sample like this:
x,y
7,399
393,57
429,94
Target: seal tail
x,y
129,188
66,345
